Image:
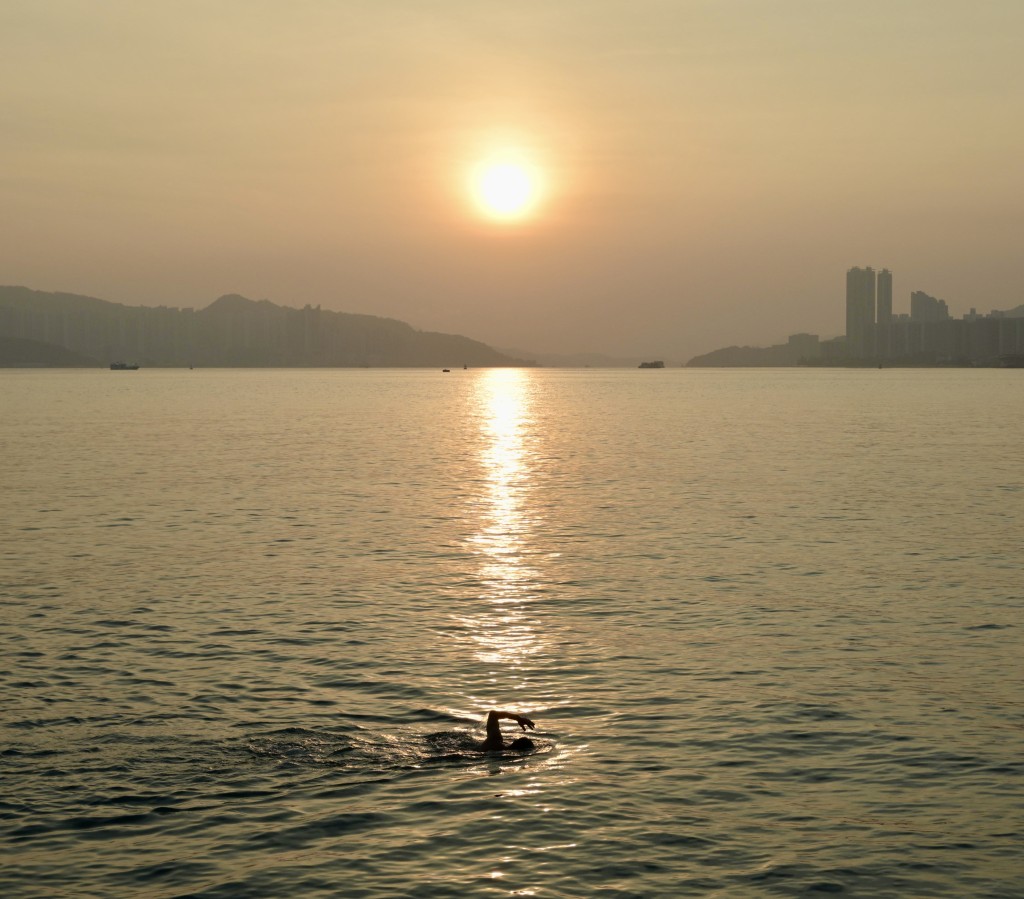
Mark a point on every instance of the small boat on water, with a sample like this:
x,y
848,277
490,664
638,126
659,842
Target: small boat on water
x,y
656,364
124,366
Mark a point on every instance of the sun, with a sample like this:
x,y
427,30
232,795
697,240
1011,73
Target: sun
x,y
506,190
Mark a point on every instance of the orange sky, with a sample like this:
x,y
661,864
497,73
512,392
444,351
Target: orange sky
x,y
712,168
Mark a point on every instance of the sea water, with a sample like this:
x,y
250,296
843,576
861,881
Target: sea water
x,y
767,622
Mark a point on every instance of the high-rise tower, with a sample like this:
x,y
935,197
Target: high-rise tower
x,y
860,312
884,296
883,329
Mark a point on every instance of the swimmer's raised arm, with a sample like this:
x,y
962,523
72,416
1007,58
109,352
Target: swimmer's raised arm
x,y
494,739
496,716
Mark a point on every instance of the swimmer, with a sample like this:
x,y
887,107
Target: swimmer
x,y
495,741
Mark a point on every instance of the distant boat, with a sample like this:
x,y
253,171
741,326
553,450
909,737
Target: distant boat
x,y
124,366
445,369
656,364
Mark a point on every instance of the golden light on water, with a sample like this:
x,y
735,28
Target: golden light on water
x,y
502,398
500,541
504,634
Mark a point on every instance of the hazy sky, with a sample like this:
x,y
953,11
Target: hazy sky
x,y
711,167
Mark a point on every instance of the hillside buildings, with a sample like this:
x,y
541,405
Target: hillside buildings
x,y
231,331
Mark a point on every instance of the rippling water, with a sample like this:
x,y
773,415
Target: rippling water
x,y
767,622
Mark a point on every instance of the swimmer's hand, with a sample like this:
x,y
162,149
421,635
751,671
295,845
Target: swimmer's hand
x,y
524,722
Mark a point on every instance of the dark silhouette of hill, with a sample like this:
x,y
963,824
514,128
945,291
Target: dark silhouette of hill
x,y
16,352
740,356
573,360
231,331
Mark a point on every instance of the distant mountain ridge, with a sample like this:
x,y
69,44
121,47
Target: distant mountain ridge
x,y
746,356
574,360
232,331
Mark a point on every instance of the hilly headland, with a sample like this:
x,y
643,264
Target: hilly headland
x,y
39,328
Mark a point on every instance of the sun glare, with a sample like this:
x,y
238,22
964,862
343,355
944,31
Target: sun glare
x,y
506,191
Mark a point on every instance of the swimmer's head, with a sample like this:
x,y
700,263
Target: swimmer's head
x,y
521,744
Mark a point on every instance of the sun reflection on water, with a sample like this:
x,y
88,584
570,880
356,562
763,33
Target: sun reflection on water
x,y
503,632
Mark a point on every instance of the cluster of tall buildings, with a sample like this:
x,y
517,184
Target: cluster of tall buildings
x,y
928,335
868,309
